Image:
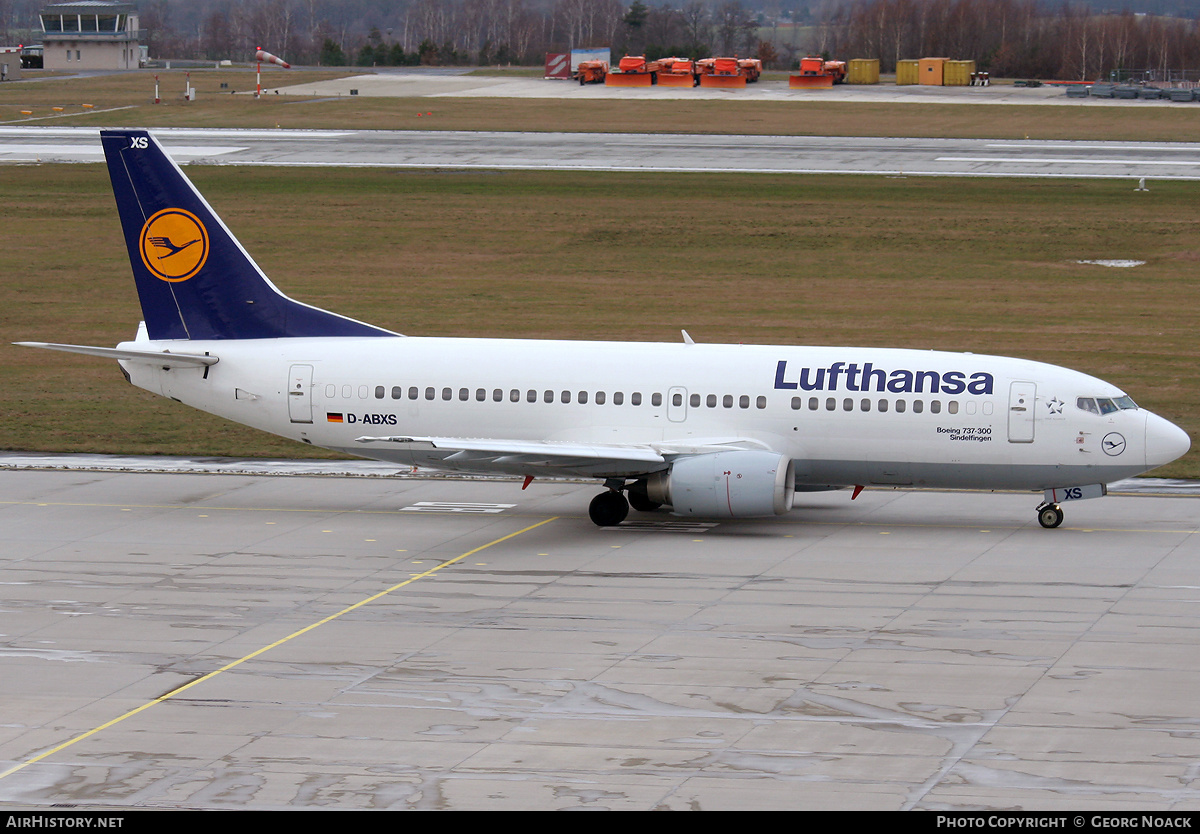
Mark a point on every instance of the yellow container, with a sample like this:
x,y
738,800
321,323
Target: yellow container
x,y
932,71
862,71
958,73
907,72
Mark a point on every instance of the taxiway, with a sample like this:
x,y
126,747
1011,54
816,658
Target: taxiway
x,y
246,641
630,152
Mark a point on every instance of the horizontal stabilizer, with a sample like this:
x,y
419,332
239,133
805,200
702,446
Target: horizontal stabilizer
x,y
153,357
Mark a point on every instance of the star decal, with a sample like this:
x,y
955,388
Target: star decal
x,y
1055,405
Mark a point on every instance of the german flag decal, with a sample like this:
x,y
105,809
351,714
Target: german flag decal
x,y
333,417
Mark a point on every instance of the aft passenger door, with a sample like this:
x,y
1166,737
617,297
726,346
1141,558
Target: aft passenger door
x,y
300,393
1022,397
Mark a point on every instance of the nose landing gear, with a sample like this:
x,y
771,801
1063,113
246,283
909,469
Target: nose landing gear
x,y
1049,515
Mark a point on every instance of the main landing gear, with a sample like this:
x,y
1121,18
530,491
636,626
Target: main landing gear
x,y
1049,515
608,509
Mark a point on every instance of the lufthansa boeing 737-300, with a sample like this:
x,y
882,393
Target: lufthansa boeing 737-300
x,y
717,431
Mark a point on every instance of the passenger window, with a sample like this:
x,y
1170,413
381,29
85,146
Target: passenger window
x,y
743,401
347,392
656,400
514,396
548,397
635,398
900,405
330,391
413,393
711,400
883,405
865,405
362,392
447,394
952,406
464,394
935,406
397,392
430,393
531,396
727,401
379,392
565,397
848,404
918,406
480,395
600,398
583,397
618,398
831,404
796,403
498,395
813,403
695,400
761,402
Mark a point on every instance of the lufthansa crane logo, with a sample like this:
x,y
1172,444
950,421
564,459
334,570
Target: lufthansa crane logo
x,y
174,244
1113,444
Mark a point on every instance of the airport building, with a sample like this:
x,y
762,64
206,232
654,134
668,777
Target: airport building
x,y
90,35
10,63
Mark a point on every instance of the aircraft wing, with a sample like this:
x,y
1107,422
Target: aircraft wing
x,y
548,457
163,359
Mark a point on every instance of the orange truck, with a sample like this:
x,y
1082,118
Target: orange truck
x,y
837,70
720,72
591,72
677,72
751,68
633,71
816,72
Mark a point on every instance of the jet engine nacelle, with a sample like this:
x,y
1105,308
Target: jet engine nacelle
x,y
737,484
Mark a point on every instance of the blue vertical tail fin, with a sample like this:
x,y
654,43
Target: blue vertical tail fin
x,y
194,280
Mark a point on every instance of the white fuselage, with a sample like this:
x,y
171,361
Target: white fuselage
x,y
845,415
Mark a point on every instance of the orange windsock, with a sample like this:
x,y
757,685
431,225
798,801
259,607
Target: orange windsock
x,y
260,55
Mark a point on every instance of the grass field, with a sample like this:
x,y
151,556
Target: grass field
x,y
976,265
127,100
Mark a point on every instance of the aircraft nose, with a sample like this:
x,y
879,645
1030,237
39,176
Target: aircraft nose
x,y
1165,441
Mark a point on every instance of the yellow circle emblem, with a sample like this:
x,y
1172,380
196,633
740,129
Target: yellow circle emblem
x,y
174,244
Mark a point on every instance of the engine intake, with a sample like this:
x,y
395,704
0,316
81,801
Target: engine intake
x,y
737,484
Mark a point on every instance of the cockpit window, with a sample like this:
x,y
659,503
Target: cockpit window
x,y
1104,405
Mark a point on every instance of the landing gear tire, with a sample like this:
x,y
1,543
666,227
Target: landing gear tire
x,y
1050,515
608,509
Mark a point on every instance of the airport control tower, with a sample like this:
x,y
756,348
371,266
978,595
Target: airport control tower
x,y
90,35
